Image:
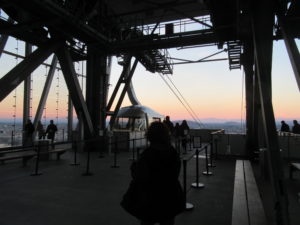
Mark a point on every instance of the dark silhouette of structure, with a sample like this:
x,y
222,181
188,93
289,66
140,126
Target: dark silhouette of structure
x,y
93,31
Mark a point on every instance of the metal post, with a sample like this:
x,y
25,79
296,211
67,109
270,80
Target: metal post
x,y
207,172
88,173
211,154
133,149
36,173
188,206
75,154
12,138
115,154
197,184
216,148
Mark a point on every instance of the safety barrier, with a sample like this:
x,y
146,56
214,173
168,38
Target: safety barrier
x,y
185,160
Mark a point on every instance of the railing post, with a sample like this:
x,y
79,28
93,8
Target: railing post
x,y
188,206
36,173
197,184
133,149
115,154
211,156
88,173
207,172
216,148
75,146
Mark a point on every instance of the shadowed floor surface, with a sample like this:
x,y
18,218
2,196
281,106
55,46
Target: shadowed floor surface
x,y
62,196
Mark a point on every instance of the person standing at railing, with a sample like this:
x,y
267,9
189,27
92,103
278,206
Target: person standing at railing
x,y
50,131
155,194
28,133
169,124
184,134
296,127
41,131
284,127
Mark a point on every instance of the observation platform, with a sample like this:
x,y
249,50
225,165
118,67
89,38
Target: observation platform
x,y
63,196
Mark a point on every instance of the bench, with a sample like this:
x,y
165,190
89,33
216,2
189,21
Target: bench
x,y
27,154
58,152
293,167
247,206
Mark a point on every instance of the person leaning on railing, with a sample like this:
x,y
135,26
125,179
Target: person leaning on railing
x,y
296,127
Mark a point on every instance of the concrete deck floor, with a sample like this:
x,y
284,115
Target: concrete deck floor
x,y
62,196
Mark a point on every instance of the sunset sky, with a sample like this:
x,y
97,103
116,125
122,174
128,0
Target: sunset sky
x,y
212,90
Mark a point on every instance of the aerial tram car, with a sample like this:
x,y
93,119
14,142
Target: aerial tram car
x,y
131,125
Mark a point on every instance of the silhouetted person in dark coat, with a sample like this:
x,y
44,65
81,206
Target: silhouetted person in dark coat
x,y
28,133
155,194
177,130
169,124
40,130
50,131
284,127
184,132
296,127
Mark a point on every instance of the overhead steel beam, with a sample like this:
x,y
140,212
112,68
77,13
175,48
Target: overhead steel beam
x,y
45,92
63,20
262,25
34,38
170,6
207,36
68,70
20,72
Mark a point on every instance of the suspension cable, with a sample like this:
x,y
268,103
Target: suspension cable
x,y
179,99
186,102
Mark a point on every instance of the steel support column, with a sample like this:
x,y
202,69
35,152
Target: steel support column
x,y
248,62
19,73
262,25
44,96
257,121
70,76
96,83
